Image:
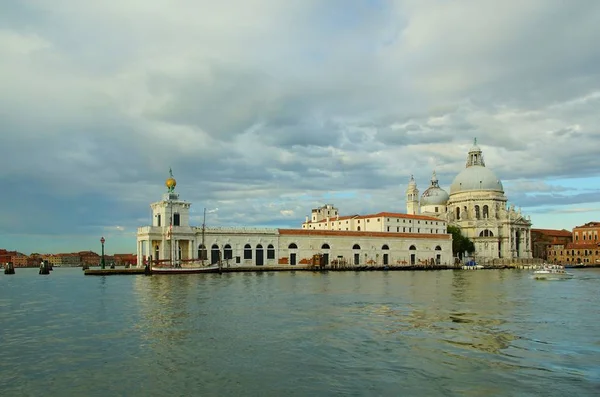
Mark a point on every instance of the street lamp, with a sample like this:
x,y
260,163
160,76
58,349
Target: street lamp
x,y
102,242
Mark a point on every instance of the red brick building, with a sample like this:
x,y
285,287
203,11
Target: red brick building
x,y
542,239
584,248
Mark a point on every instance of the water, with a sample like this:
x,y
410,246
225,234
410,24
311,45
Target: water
x,y
443,333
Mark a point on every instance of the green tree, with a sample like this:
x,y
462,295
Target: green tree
x,y
460,243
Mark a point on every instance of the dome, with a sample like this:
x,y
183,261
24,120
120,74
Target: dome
x,y
476,177
434,196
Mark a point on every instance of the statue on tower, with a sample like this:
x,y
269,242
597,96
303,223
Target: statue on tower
x,y
171,182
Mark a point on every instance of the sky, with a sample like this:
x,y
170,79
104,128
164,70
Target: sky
x,y
265,109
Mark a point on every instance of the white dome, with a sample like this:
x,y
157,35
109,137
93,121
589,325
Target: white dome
x,y
434,196
476,177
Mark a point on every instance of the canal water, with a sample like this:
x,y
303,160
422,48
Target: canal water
x,y
436,333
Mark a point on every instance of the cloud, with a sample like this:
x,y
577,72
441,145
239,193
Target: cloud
x,y
303,103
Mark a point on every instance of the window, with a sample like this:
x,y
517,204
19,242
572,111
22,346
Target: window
x,y
158,220
247,251
325,246
356,247
292,246
270,252
176,220
202,253
477,214
227,252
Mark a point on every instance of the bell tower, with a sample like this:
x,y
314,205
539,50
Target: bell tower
x,y
412,197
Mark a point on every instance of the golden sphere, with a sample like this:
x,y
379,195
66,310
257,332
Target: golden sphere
x,y
171,183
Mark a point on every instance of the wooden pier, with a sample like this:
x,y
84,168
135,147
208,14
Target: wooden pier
x,y
116,271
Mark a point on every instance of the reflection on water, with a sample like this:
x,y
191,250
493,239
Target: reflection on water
x,y
391,333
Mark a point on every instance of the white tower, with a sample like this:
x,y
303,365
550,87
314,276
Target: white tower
x,y
170,237
170,210
412,197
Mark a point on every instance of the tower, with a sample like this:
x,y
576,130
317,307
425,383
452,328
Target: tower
x,y
475,155
412,197
170,211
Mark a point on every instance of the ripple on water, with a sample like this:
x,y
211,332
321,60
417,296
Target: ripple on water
x,y
356,334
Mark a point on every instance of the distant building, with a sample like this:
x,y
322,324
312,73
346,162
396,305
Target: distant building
x,y
584,247
542,239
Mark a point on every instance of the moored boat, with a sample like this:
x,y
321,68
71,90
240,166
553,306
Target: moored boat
x,y
185,269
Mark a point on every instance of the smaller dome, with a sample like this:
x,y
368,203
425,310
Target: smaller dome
x,y
434,196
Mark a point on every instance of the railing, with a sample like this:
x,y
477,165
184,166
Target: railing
x,y
234,229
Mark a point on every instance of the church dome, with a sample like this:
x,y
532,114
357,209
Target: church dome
x,y
476,177
434,195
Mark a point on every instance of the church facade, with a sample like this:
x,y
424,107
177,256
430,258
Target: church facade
x,y
478,206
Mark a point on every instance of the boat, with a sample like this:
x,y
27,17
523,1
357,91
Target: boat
x,y
176,267
551,272
472,265
185,269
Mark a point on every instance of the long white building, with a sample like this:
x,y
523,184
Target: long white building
x,y
384,238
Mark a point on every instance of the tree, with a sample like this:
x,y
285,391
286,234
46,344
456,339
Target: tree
x,y
460,243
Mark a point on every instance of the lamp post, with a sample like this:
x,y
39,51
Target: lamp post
x,y
102,242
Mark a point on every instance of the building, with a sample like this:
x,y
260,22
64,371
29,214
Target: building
x,y
583,249
478,206
542,239
385,238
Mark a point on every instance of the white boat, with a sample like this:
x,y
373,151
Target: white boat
x,y
185,269
551,272
472,267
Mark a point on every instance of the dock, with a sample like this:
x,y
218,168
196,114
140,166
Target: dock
x,y
110,272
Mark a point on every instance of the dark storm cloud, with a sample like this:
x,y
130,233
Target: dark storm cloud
x,y
264,117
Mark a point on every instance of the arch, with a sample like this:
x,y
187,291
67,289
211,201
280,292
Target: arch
x,y
270,252
385,247
215,254
227,252
260,258
486,212
477,212
325,246
247,251
292,246
356,247
486,233
412,248
457,213
202,253
438,248
358,228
